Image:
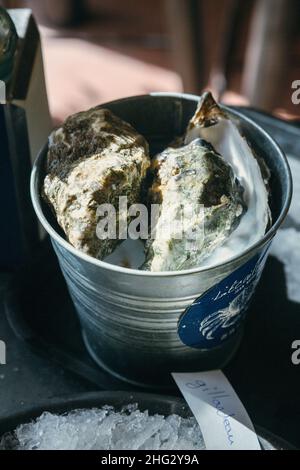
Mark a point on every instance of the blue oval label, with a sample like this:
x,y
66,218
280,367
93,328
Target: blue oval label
x,y
217,314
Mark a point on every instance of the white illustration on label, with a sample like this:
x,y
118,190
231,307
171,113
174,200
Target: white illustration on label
x,y
227,317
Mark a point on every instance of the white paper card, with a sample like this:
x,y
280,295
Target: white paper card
x,y
222,418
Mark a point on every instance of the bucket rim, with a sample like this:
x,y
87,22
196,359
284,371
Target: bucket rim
x,y
36,200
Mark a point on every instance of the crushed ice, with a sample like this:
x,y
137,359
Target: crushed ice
x,y
105,428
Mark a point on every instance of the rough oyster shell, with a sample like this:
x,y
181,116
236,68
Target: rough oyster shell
x,y
185,178
94,158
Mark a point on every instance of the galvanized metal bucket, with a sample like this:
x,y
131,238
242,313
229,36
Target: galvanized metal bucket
x,y
140,325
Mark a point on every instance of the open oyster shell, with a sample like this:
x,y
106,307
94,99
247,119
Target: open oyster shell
x,y
211,123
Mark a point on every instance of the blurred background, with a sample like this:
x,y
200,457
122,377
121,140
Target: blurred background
x,y
246,51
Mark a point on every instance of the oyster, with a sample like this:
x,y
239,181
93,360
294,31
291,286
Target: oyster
x,y
94,158
200,204
211,123
215,167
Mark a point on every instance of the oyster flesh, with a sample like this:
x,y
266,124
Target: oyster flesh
x,y
94,158
200,204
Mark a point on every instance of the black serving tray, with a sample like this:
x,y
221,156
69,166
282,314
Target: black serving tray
x,y
41,313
